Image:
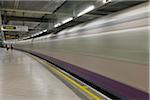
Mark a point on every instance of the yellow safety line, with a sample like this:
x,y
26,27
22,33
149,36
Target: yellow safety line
x,y
84,88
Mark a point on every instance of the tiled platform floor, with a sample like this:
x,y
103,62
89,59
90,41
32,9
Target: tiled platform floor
x,y
23,78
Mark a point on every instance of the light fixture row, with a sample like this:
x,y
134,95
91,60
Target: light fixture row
x,y
39,33
71,18
88,9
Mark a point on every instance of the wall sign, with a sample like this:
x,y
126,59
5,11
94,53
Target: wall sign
x,y
14,28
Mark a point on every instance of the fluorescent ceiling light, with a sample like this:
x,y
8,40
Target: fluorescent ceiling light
x,y
106,1
44,30
40,32
86,10
56,25
67,20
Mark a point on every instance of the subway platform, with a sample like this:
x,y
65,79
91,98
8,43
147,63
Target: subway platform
x,y
24,77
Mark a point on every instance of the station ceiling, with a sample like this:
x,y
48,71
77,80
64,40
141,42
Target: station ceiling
x,y
40,15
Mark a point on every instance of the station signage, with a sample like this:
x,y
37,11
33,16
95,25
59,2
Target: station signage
x,y
14,28
10,37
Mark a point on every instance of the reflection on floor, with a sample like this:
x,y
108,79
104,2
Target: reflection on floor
x,y
23,78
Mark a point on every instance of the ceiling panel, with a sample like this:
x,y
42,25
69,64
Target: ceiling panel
x,y
38,15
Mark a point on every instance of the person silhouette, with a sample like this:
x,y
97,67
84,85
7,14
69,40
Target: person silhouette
x,y
11,47
7,48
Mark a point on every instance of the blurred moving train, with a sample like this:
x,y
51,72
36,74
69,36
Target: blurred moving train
x,y
110,53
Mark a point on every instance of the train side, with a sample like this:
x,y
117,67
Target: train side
x,y
114,46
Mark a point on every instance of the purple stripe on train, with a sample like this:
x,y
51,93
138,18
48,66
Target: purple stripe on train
x,y
116,88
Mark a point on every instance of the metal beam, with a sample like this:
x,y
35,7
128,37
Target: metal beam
x,y
25,11
60,6
31,19
40,12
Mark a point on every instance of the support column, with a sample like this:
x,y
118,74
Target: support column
x,y
1,32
